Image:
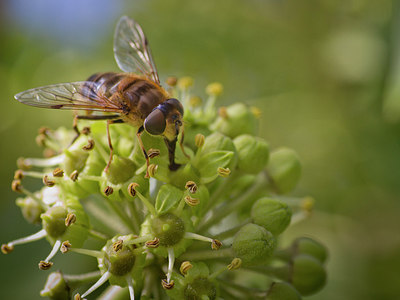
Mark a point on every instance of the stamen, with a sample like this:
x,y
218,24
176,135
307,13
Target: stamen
x,y
167,285
153,153
191,201
89,146
70,219
108,191
132,189
215,244
191,186
99,283
53,252
31,238
153,243
58,172
129,281
185,267
40,162
18,174
48,182
65,247
171,261
92,253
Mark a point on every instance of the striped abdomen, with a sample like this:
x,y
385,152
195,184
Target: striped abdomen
x,y
136,95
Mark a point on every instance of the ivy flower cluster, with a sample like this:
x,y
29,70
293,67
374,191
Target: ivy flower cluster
x,y
209,230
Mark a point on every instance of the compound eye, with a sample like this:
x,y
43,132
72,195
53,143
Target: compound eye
x,y
155,122
176,104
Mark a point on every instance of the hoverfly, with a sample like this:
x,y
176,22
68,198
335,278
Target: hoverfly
x,y
135,97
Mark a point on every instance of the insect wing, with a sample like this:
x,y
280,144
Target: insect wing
x,y
132,51
81,95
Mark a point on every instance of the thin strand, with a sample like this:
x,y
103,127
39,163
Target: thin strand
x,y
45,162
31,238
195,236
171,261
99,283
129,281
54,251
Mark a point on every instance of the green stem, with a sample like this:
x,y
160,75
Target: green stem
x,y
234,205
208,254
74,281
98,235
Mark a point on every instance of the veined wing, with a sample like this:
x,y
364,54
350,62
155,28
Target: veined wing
x,y
81,95
132,51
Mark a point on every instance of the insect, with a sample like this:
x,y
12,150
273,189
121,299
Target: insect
x,y
134,97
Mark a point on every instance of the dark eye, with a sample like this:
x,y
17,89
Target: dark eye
x,y
155,122
174,117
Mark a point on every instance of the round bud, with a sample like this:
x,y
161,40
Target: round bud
x,y
31,209
272,214
282,290
308,274
216,142
200,288
118,257
235,120
253,244
253,153
185,82
168,228
121,170
305,245
53,221
284,168
214,89
56,288
74,160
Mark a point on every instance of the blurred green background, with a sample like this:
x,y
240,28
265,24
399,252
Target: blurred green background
x,y
324,74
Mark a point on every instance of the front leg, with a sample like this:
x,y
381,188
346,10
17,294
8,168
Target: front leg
x,y
138,134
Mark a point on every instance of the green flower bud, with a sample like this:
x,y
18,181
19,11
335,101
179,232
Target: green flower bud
x,y
308,274
168,228
253,153
272,214
305,245
56,287
199,289
31,209
53,221
253,244
75,159
282,291
236,119
119,260
121,170
284,168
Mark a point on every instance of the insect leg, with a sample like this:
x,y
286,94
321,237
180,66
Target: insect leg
x,y
88,117
138,134
181,142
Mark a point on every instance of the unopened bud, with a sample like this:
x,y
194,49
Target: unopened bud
x,y
214,89
44,265
199,140
7,248
152,169
185,267
153,243
223,172
132,189
185,82
70,219
16,186
19,174
191,187
253,153
167,285
171,81
89,146
48,182
191,201
235,264
215,245
108,191
151,153
74,175
58,172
